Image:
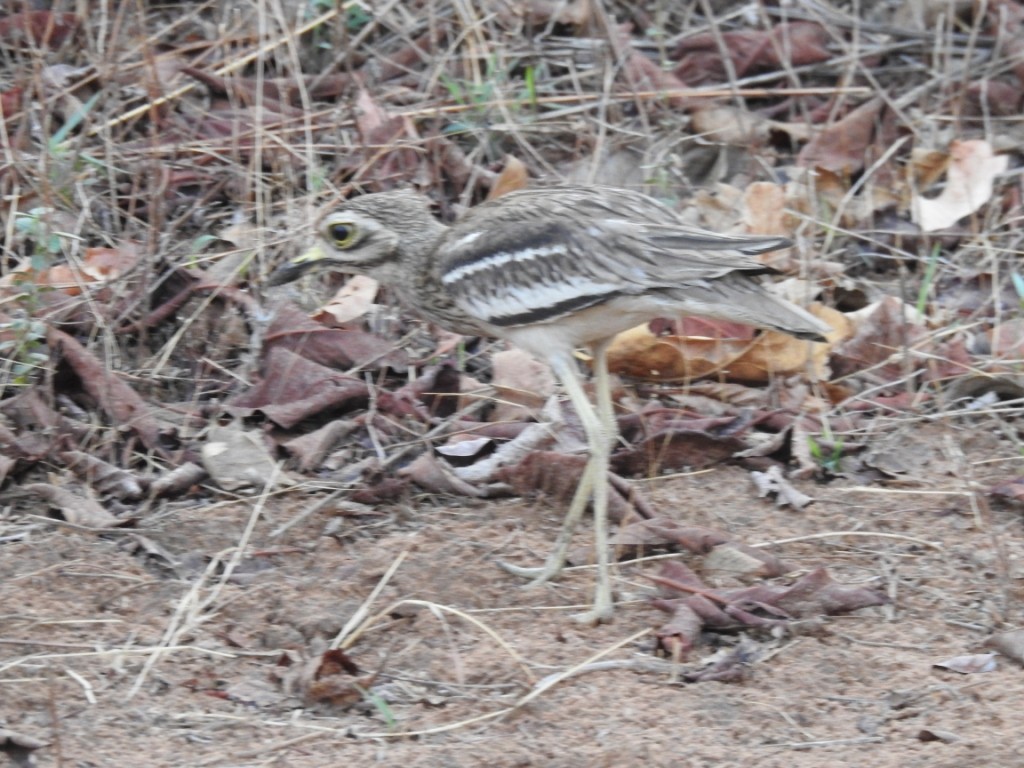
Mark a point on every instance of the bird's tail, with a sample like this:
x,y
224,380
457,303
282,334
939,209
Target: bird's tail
x,y
744,300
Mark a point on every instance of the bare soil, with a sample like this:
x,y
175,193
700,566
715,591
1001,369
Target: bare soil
x,y
89,669
159,160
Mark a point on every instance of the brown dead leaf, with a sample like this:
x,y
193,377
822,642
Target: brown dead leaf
x,y
513,176
641,73
764,213
762,605
676,448
121,403
103,476
330,677
38,29
557,475
294,388
76,508
177,482
96,266
843,146
880,332
385,138
333,347
724,349
788,44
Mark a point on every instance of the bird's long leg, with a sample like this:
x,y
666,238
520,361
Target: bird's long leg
x,y
593,482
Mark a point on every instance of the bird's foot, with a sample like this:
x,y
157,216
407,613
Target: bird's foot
x,y
537,576
604,606
599,614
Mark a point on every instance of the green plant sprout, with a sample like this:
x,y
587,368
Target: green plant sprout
x,y
480,96
22,336
1018,286
828,463
928,280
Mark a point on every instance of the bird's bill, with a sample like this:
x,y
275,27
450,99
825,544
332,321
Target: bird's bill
x,y
297,267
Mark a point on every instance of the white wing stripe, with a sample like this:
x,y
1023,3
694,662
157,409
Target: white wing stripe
x,y
500,259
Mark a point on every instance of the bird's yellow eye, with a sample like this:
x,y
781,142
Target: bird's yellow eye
x,y
340,234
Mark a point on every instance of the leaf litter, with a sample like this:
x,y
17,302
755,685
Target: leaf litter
x,y
138,344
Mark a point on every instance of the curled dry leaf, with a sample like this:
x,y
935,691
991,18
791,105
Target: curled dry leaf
x,y
557,475
772,483
331,677
294,388
513,176
352,301
122,404
783,45
725,124
970,180
843,146
104,477
312,448
178,481
432,474
761,605
75,508
38,29
969,664
726,349
236,458
332,347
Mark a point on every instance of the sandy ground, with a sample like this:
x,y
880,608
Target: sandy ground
x,y
90,665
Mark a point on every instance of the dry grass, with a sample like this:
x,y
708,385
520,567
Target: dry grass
x,y
197,142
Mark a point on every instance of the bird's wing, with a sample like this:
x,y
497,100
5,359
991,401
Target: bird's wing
x,y
537,255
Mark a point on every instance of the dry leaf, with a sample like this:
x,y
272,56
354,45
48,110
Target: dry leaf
x,y
773,483
969,664
76,508
513,176
352,301
970,180
236,458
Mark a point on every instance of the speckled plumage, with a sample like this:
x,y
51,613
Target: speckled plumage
x,y
551,270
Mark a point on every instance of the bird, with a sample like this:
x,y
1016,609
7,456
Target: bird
x,y
552,270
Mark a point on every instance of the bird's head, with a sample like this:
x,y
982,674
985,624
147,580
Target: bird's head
x,y
382,235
